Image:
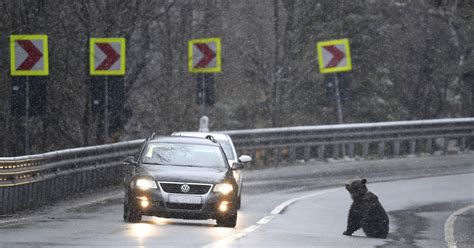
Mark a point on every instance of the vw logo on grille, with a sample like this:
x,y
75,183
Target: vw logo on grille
x,y
185,188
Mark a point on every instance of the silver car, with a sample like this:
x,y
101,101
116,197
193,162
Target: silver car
x,y
229,149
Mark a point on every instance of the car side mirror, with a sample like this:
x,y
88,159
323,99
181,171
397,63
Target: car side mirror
x,y
245,159
237,166
130,160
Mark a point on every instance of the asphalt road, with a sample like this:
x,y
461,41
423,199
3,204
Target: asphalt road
x,y
418,210
300,205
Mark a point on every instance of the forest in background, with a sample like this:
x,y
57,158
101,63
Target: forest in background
x,y
412,59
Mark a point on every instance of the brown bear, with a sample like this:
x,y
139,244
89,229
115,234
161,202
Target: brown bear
x,y
366,212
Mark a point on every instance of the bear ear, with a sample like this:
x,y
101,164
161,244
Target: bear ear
x,y
347,186
363,181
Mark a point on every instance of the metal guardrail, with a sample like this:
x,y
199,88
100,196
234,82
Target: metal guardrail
x,y
30,181
366,140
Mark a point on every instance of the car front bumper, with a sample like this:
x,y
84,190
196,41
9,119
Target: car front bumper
x,y
156,202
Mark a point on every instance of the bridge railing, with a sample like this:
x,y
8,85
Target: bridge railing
x,y
29,181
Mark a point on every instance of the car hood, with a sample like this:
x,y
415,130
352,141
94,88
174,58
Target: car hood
x,y
164,173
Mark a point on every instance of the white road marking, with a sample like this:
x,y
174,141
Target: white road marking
x,y
449,226
280,208
251,229
265,220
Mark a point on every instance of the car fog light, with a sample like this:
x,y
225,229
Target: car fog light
x,y
223,207
144,203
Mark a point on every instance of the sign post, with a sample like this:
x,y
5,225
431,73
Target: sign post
x,y
107,58
338,101
28,57
204,57
334,56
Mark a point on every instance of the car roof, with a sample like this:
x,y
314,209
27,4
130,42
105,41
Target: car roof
x,y
183,140
219,136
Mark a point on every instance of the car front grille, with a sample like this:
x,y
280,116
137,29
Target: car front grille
x,y
194,189
184,206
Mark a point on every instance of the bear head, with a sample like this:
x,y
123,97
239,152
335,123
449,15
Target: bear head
x,y
357,188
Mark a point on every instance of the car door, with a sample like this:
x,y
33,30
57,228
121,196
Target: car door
x,y
130,170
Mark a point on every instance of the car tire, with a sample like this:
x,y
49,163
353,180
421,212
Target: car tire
x,y
130,214
237,204
227,221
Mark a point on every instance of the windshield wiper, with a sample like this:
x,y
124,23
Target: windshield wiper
x,y
184,165
153,163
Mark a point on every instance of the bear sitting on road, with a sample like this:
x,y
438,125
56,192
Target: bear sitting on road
x,y
366,211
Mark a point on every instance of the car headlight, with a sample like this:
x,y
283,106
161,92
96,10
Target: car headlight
x,y
146,184
223,188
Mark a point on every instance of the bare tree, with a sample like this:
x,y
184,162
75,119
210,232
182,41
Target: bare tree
x,y
411,60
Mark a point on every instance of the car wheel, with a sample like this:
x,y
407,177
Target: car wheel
x,y
130,214
238,202
227,221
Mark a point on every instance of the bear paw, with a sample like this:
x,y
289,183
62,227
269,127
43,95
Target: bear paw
x,y
347,233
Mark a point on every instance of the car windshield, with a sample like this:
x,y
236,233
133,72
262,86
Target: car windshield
x,y
225,144
192,155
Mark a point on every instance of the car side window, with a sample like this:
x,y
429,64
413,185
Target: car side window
x,y
227,149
